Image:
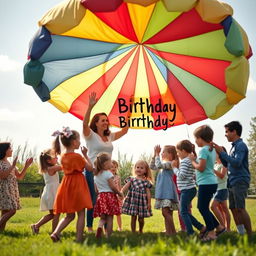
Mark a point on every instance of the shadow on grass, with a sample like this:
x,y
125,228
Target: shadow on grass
x,y
131,240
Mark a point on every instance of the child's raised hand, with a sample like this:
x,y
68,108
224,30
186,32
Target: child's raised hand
x,y
84,150
157,150
28,162
92,99
192,156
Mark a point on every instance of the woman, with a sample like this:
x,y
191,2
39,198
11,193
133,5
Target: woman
x,y
98,139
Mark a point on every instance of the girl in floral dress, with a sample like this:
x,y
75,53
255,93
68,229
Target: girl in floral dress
x,y
9,192
107,202
137,202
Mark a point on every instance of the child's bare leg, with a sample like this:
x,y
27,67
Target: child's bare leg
x,y
55,221
173,230
141,224
217,213
6,215
44,220
80,225
226,213
133,223
167,220
63,223
109,228
119,222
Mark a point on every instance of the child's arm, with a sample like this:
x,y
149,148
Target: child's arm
x,y
113,187
183,172
96,189
126,187
163,165
199,166
222,172
53,169
149,198
5,174
20,175
88,163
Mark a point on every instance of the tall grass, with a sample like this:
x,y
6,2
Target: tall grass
x,y
18,240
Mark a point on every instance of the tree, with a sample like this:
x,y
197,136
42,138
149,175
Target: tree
x,y
125,167
252,152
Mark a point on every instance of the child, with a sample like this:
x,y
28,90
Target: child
x,y
186,185
73,195
219,204
206,179
49,168
107,203
165,194
9,192
117,181
137,202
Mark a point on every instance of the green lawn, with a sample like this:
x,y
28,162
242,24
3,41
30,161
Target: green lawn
x,y
18,240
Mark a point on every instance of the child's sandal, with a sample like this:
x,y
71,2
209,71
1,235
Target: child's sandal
x,y
55,238
34,229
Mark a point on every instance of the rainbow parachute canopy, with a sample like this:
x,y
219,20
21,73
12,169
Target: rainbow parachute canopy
x,y
181,61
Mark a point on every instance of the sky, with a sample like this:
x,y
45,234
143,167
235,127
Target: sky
x,y
24,118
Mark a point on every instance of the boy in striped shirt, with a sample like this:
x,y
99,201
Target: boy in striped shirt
x,y
186,184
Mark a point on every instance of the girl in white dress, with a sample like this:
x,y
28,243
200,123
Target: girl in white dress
x,y
49,168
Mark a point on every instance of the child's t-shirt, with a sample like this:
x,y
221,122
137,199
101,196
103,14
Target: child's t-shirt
x,y
222,183
207,177
101,181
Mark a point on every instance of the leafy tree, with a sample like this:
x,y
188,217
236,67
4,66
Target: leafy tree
x,y
252,152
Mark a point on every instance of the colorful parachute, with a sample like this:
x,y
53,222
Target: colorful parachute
x,y
182,61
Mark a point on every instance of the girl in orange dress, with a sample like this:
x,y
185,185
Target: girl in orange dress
x,y
73,194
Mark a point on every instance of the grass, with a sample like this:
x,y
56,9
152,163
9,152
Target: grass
x,y
18,240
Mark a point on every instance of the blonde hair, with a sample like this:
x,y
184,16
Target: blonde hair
x,y
114,162
99,162
148,174
44,157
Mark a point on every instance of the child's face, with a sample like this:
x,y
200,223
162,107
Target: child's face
x,y
113,168
9,152
140,169
181,153
166,155
107,165
76,142
53,159
199,142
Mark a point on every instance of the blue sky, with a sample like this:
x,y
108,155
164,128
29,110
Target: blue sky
x,y
23,117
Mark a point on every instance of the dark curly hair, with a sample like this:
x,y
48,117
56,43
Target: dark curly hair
x,y
3,149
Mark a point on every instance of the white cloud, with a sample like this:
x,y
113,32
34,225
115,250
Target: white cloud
x,y
7,65
8,115
251,84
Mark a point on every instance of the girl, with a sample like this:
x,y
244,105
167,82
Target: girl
x,y
206,179
165,193
137,202
49,168
107,203
186,185
117,181
219,204
73,195
9,192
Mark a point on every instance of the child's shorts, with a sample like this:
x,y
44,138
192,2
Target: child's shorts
x,y
221,195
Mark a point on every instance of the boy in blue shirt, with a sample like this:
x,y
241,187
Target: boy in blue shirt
x,y
238,175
